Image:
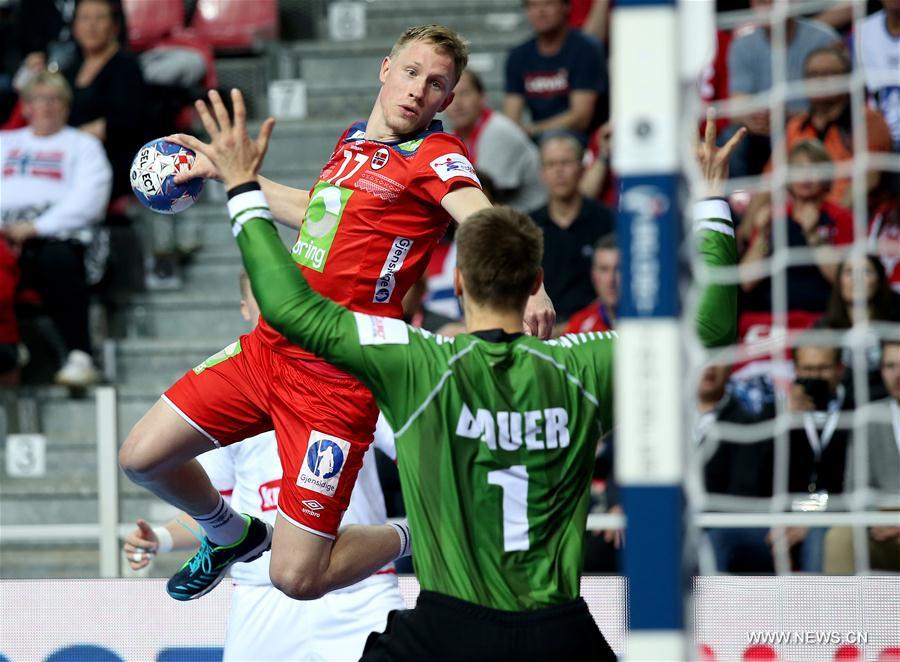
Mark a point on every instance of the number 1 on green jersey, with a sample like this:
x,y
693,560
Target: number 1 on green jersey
x,y
514,483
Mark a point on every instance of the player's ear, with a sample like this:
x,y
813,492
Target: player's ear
x,y
457,282
245,310
447,102
385,67
538,281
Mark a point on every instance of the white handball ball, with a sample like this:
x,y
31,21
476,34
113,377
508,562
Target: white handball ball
x,y
153,171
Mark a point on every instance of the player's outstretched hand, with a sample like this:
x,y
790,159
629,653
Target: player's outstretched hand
x,y
540,316
714,160
140,546
202,166
231,151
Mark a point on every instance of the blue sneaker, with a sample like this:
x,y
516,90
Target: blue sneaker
x,y
204,570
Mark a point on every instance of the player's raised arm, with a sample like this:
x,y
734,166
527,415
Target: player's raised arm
x,y
287,204
540,315
717,312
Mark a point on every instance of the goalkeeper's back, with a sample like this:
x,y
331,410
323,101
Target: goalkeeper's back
x,y
496,435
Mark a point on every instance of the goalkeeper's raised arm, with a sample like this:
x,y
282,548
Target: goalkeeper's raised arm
x,y
717,312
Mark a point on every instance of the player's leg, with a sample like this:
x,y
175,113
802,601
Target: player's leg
x,y
306,565
212,405
324,425
158,454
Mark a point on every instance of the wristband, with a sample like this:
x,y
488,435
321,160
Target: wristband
x,y
402,529
164,536
243,188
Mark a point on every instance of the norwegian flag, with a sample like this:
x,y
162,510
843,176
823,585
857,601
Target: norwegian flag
x,y
21,163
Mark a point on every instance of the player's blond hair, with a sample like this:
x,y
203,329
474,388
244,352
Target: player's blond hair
x,y
49,79
499,252
443,39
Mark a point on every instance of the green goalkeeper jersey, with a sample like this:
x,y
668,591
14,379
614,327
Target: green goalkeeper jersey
x,y
496,434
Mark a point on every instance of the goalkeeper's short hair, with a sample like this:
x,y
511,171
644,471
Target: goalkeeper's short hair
x,y
499,253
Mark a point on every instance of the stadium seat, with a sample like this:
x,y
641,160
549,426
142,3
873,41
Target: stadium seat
x,y
236,24
149,22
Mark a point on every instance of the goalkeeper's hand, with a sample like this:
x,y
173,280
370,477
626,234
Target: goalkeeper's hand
x,y
714,160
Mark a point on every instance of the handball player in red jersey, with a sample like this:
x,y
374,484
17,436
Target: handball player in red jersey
x,y
366,230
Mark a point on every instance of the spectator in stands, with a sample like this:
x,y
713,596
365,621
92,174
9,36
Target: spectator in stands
x,y
880,472
108,87
733,469
599,182
559,75
877,48
750,72
571,223
56,184
813,222
882,305
884,234
497,146
600,314
829,119
818,448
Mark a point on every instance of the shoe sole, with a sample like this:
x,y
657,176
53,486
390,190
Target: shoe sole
x,y
252,555
76,383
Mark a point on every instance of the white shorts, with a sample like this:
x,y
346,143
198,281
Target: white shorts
x,y
265,624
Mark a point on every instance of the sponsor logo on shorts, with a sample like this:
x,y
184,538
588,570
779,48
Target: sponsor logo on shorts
x,y
323,463
232,350
453,165
387,279
320,225
380,158
310,506
268,495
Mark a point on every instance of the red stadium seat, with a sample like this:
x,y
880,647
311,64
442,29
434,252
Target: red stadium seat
x,y
236,24
149,21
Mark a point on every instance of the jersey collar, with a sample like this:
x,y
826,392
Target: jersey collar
x,y
497,335
405,146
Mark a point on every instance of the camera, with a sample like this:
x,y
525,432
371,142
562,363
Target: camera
x,y
819,390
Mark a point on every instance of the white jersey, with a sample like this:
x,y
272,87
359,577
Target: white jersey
x,y
61,182
249,475
878,53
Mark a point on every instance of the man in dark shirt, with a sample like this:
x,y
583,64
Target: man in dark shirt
x,y
572,224
559,75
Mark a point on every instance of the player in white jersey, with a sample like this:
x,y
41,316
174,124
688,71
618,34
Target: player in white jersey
x,y
877,46
263,623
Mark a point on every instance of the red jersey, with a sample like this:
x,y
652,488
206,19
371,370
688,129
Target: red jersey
x,y
593,317
374,216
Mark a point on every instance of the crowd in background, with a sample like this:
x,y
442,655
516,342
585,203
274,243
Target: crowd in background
x,y
76,104
557,94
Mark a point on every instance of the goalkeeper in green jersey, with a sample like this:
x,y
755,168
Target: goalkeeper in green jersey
x,y
496,430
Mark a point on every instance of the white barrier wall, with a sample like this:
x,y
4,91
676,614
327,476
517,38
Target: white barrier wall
x,y
788,618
